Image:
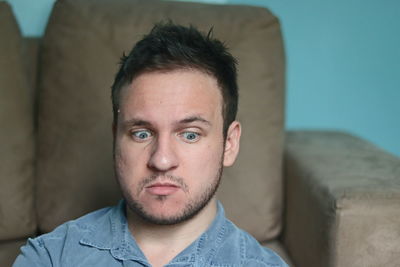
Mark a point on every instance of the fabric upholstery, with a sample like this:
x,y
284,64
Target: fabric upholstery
x,y
9,251
343,201
81,48
30,53
17,218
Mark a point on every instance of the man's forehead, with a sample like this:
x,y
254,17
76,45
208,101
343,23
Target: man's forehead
x,y
171,98
192,88
178,76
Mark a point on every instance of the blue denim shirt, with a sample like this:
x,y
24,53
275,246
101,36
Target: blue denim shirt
x,y
102,238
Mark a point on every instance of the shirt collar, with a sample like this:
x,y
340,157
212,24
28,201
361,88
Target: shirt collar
x,y
111,232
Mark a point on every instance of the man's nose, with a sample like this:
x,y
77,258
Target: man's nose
x,y
163,156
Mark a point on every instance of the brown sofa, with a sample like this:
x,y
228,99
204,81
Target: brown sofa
x,y
319,198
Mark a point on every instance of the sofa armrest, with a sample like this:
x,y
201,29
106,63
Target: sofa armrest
x,y
342,201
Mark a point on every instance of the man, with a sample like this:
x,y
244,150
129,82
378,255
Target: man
x,y
174,102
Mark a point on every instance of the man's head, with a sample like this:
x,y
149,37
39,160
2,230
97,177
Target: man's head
x,y
169,47
170,114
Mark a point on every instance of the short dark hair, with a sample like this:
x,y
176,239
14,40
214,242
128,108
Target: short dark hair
x,y
169,47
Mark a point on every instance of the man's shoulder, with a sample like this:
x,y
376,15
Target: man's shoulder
x,y
63,244
249,250
82,224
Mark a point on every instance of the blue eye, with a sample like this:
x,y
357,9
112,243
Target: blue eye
x,y
142,135
191,136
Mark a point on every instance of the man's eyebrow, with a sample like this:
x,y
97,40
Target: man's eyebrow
x,y
136,122
140,122
194,119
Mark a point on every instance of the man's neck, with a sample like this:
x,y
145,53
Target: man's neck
x,y
161,243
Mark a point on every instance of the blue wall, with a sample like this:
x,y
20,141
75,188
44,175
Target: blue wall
x,y
343,62
32,15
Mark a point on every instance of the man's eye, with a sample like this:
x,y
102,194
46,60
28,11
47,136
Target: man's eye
x,y
142,135
190,136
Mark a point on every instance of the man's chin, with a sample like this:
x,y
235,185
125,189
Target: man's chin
x,y
162,217
166,213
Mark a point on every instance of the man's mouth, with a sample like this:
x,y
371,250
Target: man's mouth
x,y
162,189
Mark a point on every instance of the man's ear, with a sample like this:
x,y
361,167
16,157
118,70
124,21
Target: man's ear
x,y
232,143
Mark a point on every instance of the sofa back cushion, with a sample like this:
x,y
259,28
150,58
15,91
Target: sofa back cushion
x,y
81,49
17,216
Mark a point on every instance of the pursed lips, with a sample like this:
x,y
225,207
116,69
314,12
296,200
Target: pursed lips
x,y
162,189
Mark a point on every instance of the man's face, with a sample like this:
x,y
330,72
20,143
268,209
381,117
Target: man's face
x,y
169,146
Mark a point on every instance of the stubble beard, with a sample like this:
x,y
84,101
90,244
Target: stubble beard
x,y
191,209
